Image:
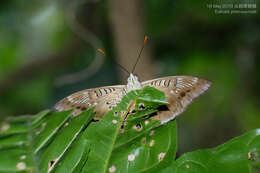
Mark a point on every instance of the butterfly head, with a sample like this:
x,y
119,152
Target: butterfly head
x,y
133,83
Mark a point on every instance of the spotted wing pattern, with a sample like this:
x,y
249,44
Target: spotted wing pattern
x,y
180,92
104,99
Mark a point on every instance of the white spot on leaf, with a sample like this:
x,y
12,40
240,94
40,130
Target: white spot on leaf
x,y
44,124
21,166
151,143
131,157
114,121
146,122
112,169
151,133
122,130
161,156
38,131
249,156
137,127
115,113
187,166
23,157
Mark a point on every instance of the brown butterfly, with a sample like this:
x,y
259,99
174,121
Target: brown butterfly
x,y
179,91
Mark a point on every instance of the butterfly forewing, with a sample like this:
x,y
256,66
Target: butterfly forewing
x,y
103,98
179,91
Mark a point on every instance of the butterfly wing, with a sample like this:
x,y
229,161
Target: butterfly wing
x,y
180,91
103,98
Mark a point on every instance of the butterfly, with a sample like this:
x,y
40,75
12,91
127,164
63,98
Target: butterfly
x,y
180,91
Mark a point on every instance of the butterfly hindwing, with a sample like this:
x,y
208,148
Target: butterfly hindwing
x,y
103,98
179,91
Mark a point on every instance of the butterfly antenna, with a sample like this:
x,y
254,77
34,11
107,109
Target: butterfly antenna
x,y
139,55
103,53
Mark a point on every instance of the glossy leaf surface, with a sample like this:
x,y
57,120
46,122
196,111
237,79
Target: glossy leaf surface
x,y
125,140
137,146
240,155
56,142
38,143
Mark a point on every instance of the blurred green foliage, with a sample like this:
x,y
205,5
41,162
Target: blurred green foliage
x,y
187,38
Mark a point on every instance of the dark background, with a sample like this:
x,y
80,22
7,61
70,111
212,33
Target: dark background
x,y
48,51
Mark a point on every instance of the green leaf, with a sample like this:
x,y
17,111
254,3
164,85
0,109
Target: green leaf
x,y
62,142
14,126
125,140
30,144
151,98
152,151
75,157
126,149
15,159
53,122
241,154
57,142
